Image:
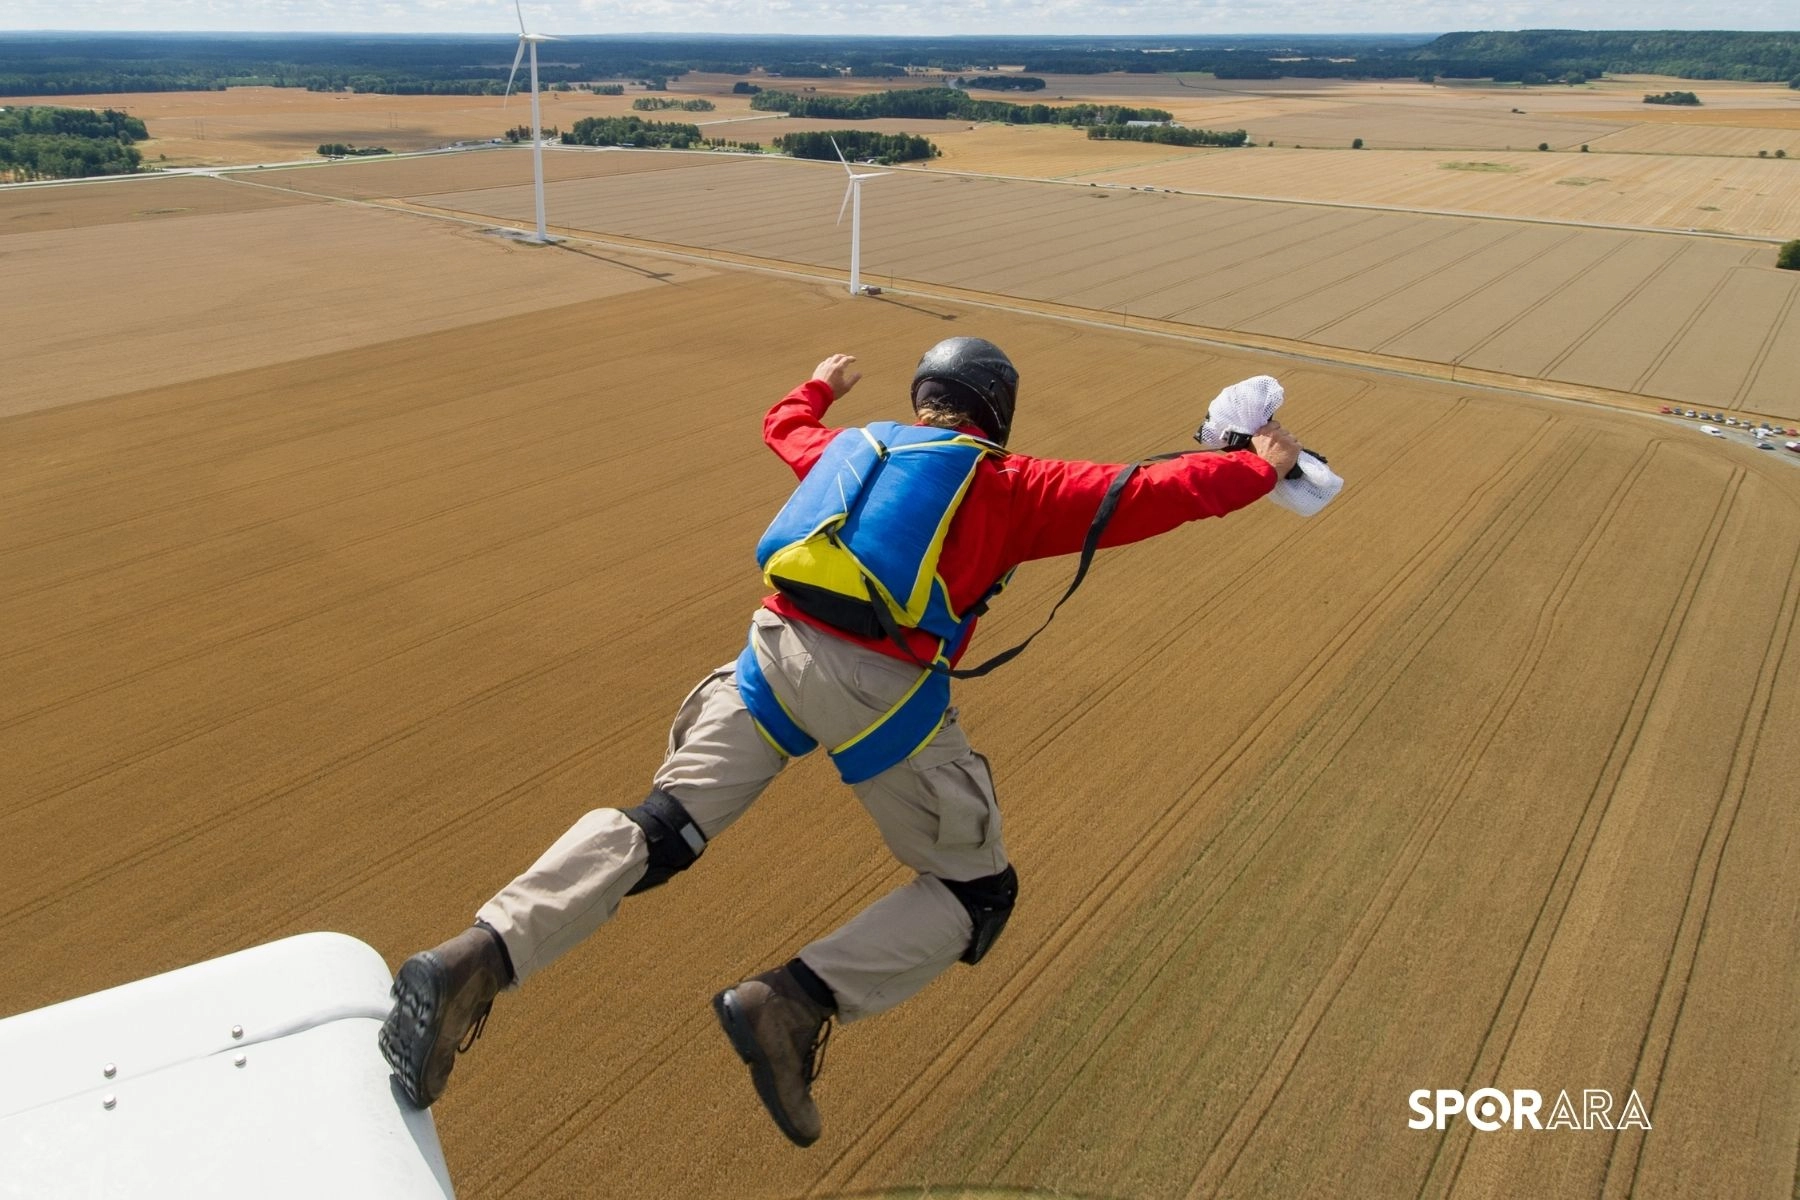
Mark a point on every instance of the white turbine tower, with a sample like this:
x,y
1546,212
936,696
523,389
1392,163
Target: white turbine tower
x,y
853,198
537,130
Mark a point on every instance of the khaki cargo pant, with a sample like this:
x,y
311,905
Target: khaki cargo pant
x,y
936,811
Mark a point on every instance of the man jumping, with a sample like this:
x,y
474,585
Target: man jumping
x,y
882,561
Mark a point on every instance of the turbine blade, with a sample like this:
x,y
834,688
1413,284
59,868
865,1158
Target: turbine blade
x,y
841,158
521,13
848,188
515,71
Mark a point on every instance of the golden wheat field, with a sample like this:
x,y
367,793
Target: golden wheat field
x,y
350,551
1752,196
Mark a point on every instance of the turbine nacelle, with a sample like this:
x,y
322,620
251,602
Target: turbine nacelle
x,y
855,179
524,37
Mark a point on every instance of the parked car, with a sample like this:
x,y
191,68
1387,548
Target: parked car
x,y
1765,445
1794,446
1712,431
1690,412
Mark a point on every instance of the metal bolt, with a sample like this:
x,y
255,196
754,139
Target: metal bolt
x,y
109,1101
237,1031
240,1060
109,1070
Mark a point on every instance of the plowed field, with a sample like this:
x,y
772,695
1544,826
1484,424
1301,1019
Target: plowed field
x,y
1425,292
1484,776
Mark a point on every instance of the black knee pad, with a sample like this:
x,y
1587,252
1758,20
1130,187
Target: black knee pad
x,y
989,901
675,840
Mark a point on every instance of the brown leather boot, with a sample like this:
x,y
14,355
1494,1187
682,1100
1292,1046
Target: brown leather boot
x,y
781,1032
441,1002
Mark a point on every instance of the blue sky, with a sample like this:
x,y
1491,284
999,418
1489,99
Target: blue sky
x,y
895,17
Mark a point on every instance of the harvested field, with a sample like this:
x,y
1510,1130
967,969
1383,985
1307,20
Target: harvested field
x,y
1422,289
1784,114
502,166
1389,126
148,304
265,124
342,642
1755,197
1706,140
1049,152
143,198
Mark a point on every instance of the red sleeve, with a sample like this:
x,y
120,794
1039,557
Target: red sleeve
x,y
1060,498
795,428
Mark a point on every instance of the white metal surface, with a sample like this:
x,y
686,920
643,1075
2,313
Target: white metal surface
x,y
255,1074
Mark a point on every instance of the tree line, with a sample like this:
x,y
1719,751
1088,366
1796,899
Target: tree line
x,y
39,142
1171,135
659,103
857,145
68,64
632,131
947,104
1687,98
1002,83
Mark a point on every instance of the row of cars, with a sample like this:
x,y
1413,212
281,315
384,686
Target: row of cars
x,y
1760,430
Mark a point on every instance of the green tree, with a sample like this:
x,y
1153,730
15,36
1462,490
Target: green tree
x,y
1788,257
1357,144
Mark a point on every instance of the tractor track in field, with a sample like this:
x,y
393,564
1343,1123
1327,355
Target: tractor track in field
x,y
1491,1055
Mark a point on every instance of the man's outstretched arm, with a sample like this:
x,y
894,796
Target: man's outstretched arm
x,y
795,428
1063,495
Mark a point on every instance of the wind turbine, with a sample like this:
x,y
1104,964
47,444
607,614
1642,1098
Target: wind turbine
x,y
853,198
537,132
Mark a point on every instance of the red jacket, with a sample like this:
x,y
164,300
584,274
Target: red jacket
x,y
1019,508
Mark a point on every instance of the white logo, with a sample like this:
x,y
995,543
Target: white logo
x,y
1488,1109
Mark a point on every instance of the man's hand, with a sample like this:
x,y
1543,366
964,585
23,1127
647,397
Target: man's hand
x,y
836,374
1277,447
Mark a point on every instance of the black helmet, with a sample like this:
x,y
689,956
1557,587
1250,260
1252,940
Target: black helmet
x,y
982,370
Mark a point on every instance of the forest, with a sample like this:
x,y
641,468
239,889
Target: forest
x,y
59,64
67,143
946,104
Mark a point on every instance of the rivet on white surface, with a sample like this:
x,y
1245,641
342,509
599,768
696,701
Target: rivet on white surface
x,y
109,1070
109,1101
240,1060
237,1031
